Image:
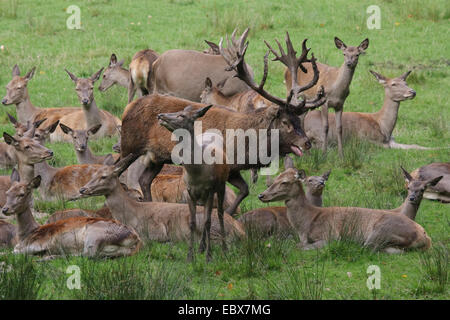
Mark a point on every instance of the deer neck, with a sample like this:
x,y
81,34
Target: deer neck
x,y
25,109
123,208
123,78
314,198
26,171
387,116
343,80
85,156
299,211
408,209
46,171
92,114
26,224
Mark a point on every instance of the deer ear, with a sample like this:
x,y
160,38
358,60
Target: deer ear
x,y
405,75
214,47
94,129
109,160
407,175
124,163
433,182
72,76
301,175
381,79
10,140
36,124
51,128
15,177
35,182
339,43
113,60
208,83
120,63
96,75
326,175
364,45
201,112
65,129
30,74
15,70
221,84
12,119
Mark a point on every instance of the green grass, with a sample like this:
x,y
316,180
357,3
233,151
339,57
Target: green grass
x,y
413,35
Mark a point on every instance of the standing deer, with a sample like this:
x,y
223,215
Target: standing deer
x,y
154,221
182,73
114,73
378,229
91,115
203,181
336,82
416,189
374,127
91,237
441,190
142,135
80,140
271,219
141,69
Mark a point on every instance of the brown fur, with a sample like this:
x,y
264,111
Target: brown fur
x,y
5,184
441,191
103,212
141,72
8,234
267,220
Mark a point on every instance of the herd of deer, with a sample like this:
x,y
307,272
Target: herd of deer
x,y
150,199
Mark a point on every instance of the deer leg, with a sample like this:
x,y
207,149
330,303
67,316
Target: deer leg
x,y
131,90
338,116
220,197
254,175
236,180
324,117
147,177
208,211
192,227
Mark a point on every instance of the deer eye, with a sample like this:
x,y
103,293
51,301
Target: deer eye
x,y
21,194
27,147
394,84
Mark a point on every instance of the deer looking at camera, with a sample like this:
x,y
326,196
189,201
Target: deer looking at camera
x,y
142,135
274,219
80,140
374,127
154,221
91,237
336,82
203,181
378,229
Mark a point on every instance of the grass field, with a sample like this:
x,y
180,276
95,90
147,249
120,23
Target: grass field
x,y
413,35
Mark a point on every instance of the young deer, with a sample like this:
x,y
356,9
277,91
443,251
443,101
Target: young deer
x,y
336,82
416,189
17,93
80,140
203,180
272,219
374,127
152,220
378,229
142,135
91,114
92,237
441,190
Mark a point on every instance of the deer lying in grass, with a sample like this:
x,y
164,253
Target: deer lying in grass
x,y
378,229
416,189
374,127
141,133
172,188
182,73
8,234
441,190
80,140
274,219
103,212
203,181
92,237
152,220
336,82
7,154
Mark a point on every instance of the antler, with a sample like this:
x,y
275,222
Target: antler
x,y
234,56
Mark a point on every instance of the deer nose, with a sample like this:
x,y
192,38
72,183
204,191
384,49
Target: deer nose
x,y
83,190
4,101
5,210
260,196
413,93
412,198
307,145
85,101
50,153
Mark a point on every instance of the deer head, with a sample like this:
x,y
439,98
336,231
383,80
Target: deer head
x,y
416,188
111,74
80,138
105,180
286,186
396,88
29,151
18,197
182,119
351,54
16,89
315,184
85,86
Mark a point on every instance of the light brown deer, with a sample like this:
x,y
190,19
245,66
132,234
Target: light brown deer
x,y
213,48
141,133
441,190
336,82
154,221
80,140
374,127
274,219
203,180
17,93
103,212
92,237
141,69
90,115
8,234
182,73
114,74
377,229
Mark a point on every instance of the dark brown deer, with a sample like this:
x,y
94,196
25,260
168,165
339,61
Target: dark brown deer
x,y
142,135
